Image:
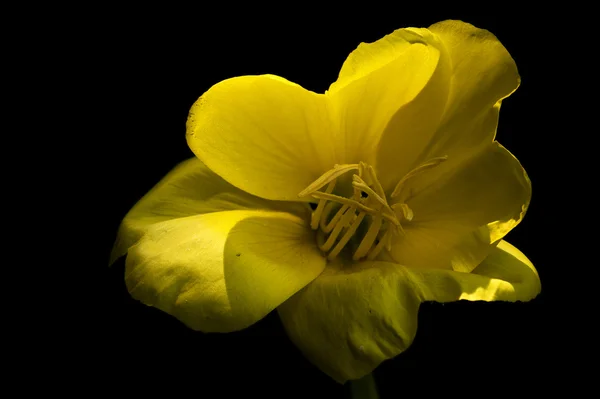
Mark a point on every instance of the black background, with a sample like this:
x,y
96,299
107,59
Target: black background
x,y
156,67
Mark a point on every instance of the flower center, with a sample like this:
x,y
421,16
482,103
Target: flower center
x,y
363,218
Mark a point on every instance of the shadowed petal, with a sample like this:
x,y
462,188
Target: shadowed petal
x,y
353,317
223,271
187,190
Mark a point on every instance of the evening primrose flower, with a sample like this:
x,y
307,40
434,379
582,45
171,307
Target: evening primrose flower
x,y
344,210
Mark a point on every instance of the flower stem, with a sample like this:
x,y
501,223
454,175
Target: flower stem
x,y
365,388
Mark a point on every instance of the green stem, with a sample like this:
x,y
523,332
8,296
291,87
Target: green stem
x,y
365,388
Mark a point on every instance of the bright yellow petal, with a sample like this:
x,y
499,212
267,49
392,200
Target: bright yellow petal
x,y
458,217
223,271
189,189
350,319
475,72
483,73
263,134
403,70
505,275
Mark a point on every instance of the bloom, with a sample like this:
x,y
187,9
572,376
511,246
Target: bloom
x,y
411,198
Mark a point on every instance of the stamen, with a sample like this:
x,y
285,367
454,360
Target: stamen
x,y
390,215
378,188
328,227
398,229
375,251
433,162
369,239
383,222
392,219
316,216
325,215
357,193
361,184
406,211
342,200
327,177
388,242
342,243
343,222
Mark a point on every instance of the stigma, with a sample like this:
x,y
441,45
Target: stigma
x,y
363,221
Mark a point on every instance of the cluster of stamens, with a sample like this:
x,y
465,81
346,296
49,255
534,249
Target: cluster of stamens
x,y
368,203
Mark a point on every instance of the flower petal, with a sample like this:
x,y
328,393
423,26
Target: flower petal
x,y
223,271
504,275
483,73
263,134
350,319
189,189
456,114
459,217
379,79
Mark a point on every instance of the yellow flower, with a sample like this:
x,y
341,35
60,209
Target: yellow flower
x,y
411,197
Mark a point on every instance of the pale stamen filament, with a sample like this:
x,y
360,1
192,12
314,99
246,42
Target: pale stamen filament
x,y
388,241
433,162
398,229
327,177
329,226
349,233
362,185
343,222
378,188
325,215
316,216
359,183
392,219
382,241
369,239
357,193
406,211
344,201
390,215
